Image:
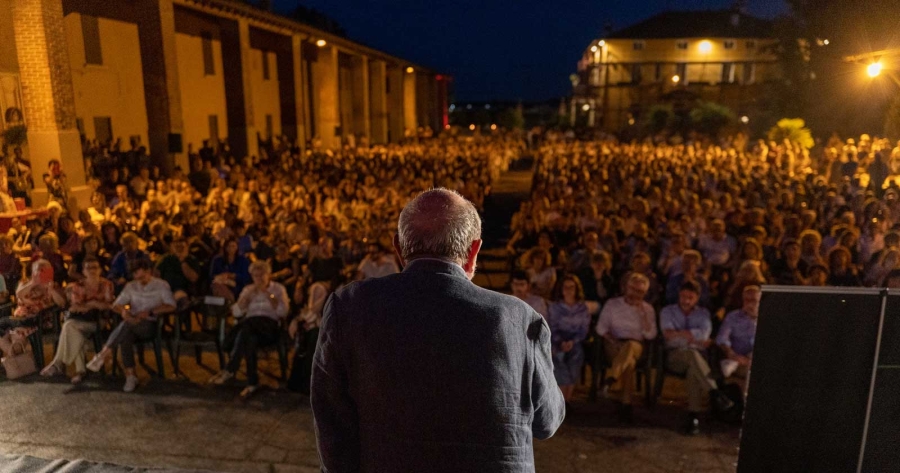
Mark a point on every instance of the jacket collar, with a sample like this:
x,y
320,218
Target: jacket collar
x,y
435,265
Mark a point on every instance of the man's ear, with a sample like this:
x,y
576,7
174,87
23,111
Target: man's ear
x,y
469,267
396,244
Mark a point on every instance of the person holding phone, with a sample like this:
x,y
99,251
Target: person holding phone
x,y
140,304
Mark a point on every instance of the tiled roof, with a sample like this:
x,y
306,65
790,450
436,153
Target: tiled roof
x,y
697,24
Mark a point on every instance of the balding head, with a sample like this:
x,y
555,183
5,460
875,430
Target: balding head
x,y
439,223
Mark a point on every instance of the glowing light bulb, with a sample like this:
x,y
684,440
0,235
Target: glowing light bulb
x,y
874,69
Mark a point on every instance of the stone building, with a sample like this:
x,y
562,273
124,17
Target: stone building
x,y
724,56
173,73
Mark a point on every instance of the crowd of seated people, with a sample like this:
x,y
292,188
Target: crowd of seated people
x,y
673,241
269,238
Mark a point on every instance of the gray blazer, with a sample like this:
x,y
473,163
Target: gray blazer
x,y
424,371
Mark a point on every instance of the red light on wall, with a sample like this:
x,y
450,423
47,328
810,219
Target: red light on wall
x,y
439,77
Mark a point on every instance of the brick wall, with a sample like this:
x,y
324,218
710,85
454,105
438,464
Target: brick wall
x,y
47,91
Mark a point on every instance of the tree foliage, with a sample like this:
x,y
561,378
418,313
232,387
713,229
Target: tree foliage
x,y
710,118
793,130
658,118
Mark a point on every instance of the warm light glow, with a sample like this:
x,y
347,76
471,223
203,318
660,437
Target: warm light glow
x,y
874,69
446,127
705,46
321,43
825,42
601,43
745,119
410,70
593,49
472,127
676,79
631,121
493,127
586,107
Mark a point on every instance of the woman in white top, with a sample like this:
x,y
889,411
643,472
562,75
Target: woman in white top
x,y
259,308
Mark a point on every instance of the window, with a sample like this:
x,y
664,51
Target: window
x,y
90,29
638,45
103,129
749,73
728,73
681,72
209,65
729,44
682,45
657,74
265,65
387,84
636,75
214,129
270,131
751,44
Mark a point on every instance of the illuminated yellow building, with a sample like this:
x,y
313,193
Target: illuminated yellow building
x,y
724,56
173,73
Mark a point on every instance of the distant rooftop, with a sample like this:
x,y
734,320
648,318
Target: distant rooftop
x,y
697,24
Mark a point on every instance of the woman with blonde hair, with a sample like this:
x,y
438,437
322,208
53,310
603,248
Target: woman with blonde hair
x,y
749,274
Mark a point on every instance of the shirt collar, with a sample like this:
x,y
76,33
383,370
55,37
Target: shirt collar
x,y
435,265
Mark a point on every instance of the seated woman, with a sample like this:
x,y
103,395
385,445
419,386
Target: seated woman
x,y
569,319
10,267
260,309
33,299
228,272
88,298
90,249
140,303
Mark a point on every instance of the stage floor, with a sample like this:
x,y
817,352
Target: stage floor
x,y
180,424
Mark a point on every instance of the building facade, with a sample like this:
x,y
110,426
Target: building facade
x,y
723,56
174,73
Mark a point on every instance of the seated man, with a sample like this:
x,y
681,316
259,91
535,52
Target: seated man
x,y
686,328
624,324
377,263
260,308
140,303
737,334
521,288
181,270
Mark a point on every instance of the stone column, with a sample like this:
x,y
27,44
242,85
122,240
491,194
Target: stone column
x,y
299,92
378,102
361,122
396,121
325,78
237,70
48,96
162,92
410,118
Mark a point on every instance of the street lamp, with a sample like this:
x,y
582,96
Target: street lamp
x,y
676,79
321,43
705,46
874,69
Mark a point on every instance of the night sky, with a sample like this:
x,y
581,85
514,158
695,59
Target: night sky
x,y
499,49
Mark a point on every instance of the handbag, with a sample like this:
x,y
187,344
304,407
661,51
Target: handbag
x,y
18,364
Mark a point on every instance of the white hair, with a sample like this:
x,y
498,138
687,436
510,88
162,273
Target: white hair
x,y
438,223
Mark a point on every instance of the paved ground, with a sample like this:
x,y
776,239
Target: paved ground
x,y
182,424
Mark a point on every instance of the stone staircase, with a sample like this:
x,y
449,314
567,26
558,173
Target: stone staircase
x,y
513,187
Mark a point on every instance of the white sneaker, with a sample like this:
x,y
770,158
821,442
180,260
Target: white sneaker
x,y
220,378
96,363
131,383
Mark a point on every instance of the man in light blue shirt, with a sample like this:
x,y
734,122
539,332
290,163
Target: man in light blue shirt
x,y
738,333
686,328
